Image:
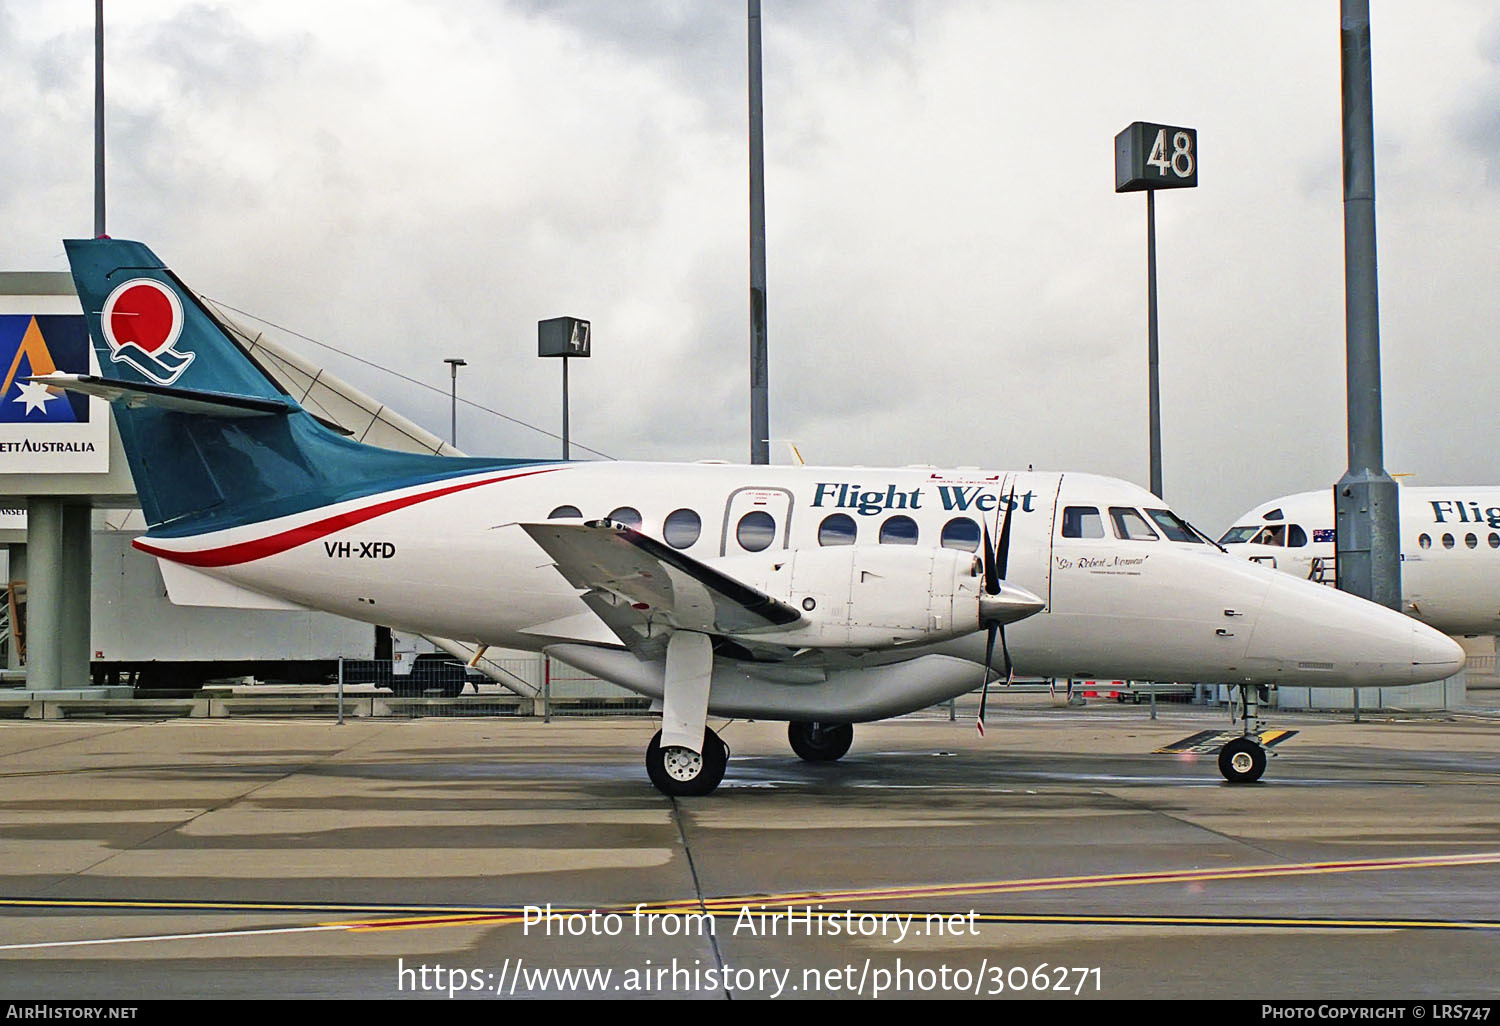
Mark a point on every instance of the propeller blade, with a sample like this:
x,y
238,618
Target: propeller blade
x,y
984,693
991,575
1002,547
1010,668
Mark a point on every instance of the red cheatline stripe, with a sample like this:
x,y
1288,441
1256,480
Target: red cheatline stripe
x,y
244,552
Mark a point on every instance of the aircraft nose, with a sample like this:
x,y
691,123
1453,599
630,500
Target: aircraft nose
x,y
1313,634
1434,655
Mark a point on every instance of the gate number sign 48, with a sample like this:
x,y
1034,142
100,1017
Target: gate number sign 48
x,y
1150,156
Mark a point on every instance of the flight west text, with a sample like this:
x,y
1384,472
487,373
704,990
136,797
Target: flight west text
x,y
869,502
1445,511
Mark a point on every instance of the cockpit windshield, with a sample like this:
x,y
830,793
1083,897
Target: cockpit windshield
x,y
1279,535
1173,526
1239,535
1130,525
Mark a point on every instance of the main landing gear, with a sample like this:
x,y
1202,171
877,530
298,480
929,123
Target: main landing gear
x,y
683,773
1242,760
820,742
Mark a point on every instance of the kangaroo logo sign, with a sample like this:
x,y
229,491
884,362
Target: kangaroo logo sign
x,y
141,321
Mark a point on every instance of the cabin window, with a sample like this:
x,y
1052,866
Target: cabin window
x,y
566,513
681,528
1424,541
1082,522
1494,540
627,516
961,533
1471,541
1173,526
1295,537
1130,525
898,530
836,529
1447,541
756,531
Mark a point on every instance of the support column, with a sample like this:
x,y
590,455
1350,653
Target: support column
x,y
17,553
77,590
1366,514
44,593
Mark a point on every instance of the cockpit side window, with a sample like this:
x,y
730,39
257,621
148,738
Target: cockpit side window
x,y
1130,525
1273,535
1295,537
1173,526
1082,522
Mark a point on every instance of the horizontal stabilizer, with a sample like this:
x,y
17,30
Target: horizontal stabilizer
x,y
181,400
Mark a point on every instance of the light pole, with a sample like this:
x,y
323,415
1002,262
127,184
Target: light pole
x,y
454,364
760,417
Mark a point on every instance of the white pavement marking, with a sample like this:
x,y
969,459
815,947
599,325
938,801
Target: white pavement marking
x,y
172,937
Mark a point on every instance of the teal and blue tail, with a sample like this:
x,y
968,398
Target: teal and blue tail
x,y
212,440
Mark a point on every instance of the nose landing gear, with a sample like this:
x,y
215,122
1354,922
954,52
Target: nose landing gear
x,y
1242,760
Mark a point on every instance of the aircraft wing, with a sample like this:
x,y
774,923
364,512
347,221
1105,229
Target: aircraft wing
x,y
643,590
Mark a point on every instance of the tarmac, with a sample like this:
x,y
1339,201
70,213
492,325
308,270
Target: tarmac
x,y
1059,856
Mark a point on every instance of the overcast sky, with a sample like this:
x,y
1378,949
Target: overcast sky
x,y
952,279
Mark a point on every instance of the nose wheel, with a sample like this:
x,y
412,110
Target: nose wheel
x,y
683,773
1242,761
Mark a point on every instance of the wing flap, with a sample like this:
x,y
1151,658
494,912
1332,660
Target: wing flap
x,y
643,590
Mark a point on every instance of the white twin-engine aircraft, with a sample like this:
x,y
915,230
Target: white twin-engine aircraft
x,y
1450,549
819,596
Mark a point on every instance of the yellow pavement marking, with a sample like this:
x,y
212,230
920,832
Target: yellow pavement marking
x,y
735,903
417,917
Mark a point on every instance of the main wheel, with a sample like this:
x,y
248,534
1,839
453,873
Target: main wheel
x,y
680,773
1242,761
820,742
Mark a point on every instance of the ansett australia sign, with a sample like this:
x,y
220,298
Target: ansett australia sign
x,y
45,430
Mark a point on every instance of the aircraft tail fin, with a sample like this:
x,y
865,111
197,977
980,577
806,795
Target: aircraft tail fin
x,y
213,441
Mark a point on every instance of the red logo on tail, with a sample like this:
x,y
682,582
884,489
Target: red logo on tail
x,y
141,321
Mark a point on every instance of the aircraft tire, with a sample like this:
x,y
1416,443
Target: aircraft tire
x,y
1242,761
667,768
820,742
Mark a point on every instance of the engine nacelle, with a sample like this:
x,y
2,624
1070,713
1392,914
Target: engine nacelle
x,y
874,596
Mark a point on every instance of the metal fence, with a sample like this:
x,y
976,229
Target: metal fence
x,y
520,685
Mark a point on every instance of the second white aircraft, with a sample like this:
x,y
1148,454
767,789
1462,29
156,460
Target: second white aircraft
x,y
1450,549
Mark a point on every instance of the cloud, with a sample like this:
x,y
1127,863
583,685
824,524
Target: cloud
x,y
951,278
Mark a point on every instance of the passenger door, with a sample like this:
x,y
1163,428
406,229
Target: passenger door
x,y
755,520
